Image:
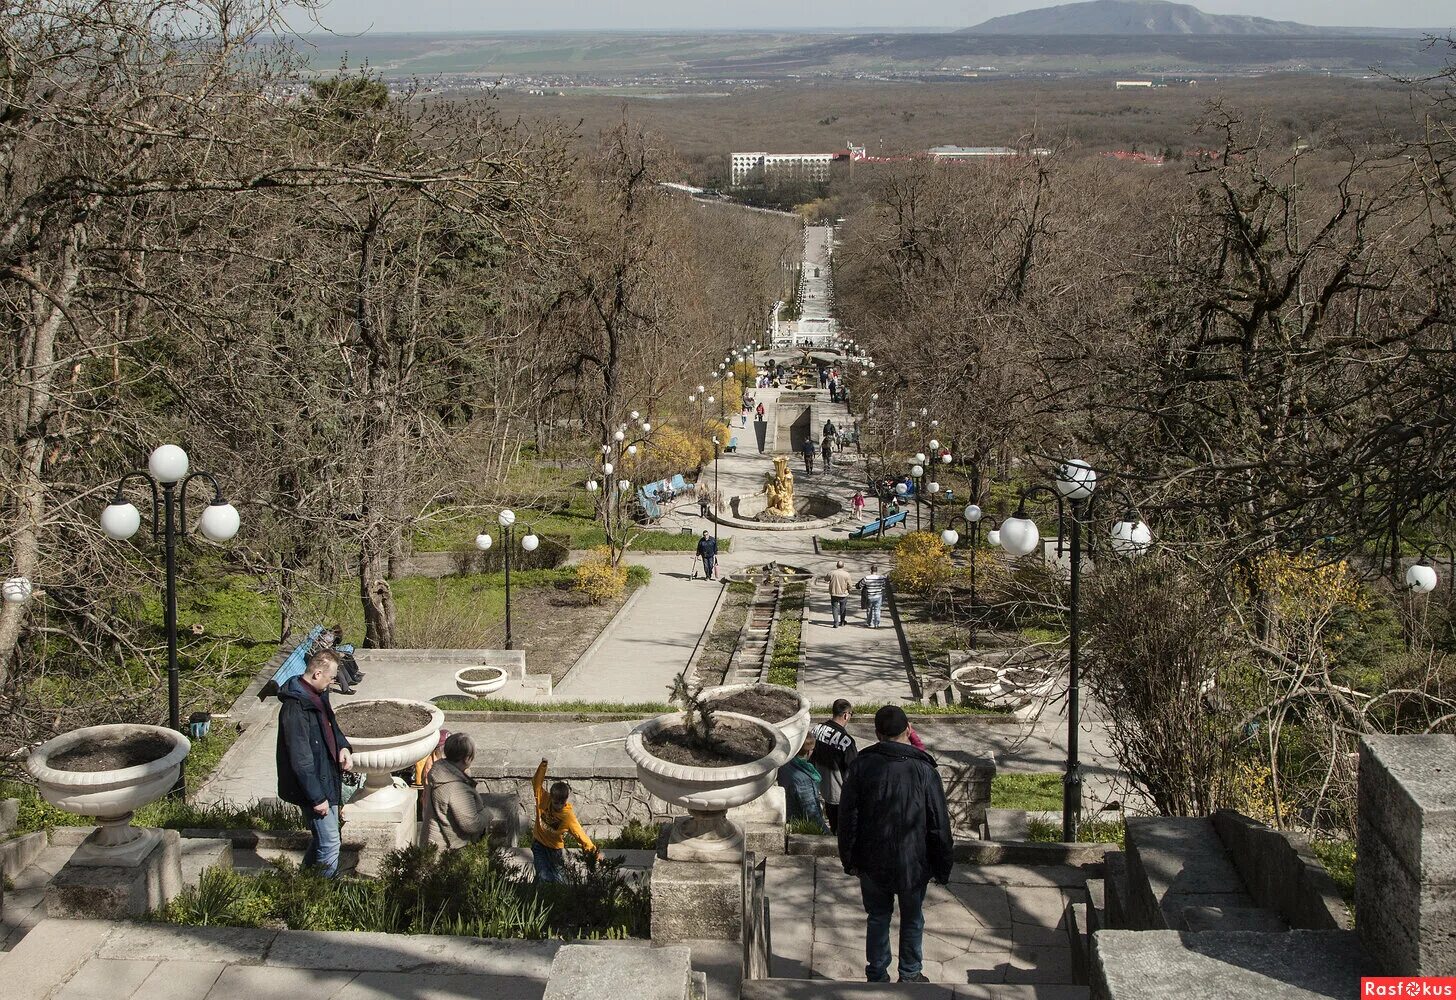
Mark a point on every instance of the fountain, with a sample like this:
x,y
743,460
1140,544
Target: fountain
x,y
780,490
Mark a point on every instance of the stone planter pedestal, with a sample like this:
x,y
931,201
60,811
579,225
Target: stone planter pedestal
x,y
119,871
382,815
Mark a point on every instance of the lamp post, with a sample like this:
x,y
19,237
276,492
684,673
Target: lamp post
x,y
972,516
717,449
1075,482
529,543
167,468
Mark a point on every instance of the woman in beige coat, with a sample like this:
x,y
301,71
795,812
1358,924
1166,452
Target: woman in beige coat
x,y
457,814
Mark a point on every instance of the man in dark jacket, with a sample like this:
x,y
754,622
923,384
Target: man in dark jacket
x,y
708,552
808,450
313,753
894,833
834,751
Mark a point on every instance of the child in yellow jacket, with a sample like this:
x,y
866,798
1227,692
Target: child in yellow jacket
x,y
554,820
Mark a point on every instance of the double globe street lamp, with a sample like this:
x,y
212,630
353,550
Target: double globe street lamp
x,y
530,541
1075,483
167,468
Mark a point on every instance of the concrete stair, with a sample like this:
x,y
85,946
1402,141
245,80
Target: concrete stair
x,y
1178,867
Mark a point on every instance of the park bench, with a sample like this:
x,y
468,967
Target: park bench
x,y
651,509
876,527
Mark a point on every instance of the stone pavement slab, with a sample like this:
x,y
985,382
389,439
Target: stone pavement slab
x,y
181,979
105,979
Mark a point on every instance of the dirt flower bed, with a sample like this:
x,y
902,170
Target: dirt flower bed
x,y
734,743
768,705
112,754
480,674
376,720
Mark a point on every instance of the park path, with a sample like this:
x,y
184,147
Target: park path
x,y
650,640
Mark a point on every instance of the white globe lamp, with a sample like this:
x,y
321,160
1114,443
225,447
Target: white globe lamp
x,y
950,536
220,521
1421,578
1131,537
168,464
993,537
1076,480
120,520
483,542
972,513
530,543
506,518
18,590
1019,535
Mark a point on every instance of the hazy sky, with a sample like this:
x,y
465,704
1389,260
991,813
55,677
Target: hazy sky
x,y
497,15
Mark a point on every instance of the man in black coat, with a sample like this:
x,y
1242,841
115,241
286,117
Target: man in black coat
x,y
313,753
708,552
894,833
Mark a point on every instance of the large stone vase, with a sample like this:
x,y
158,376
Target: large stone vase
x,y
112,797
707,793
378,757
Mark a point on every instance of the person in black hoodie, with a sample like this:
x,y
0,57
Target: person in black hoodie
x,y
894,833
313,753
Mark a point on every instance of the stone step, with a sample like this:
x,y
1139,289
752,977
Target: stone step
x,y
1174,863
822,989
202,853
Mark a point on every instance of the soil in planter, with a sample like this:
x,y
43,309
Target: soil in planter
x,y
770,706
377,720
734,743
112,754
480,674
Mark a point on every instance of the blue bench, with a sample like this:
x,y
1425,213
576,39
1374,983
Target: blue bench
x,y
680,485
732,446
877,527
651,509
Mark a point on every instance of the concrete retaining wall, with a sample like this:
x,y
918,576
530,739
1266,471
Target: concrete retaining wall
x,y
1282,873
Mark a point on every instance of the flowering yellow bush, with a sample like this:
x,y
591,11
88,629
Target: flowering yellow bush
x,y
598,579
922,563
1304,590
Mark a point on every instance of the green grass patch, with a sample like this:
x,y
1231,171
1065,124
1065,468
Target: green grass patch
x,y
1032,792
635,836
1339,858
1090,831
784,666
807,827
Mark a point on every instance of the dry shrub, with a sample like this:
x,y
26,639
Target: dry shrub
x,y
598,579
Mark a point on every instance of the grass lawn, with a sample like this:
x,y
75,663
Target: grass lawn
x,y
1090,831
788,636
572,523
1032,792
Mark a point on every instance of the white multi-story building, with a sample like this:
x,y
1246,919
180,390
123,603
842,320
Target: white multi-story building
x,y
800,166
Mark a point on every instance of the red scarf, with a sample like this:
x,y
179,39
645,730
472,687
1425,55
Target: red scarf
x,y
325,720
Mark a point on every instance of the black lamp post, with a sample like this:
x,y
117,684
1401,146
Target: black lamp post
x,y
971,517
529,542
1019,536
167,468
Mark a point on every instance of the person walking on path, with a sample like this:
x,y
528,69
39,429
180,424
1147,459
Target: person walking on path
x,y
894,833
800,780
857,502
554,820
758,413
708,552
834,751
840,583
313,755
808,450
457,814
872,586
826,449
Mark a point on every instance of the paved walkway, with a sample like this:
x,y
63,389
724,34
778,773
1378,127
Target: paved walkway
x,y
991,924
650,641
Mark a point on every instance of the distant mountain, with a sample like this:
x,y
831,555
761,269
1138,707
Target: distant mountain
x,y
1155,17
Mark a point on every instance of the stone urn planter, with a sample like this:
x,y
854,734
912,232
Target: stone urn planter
x,y
707,793
477,682
110,772
977,681
1026,682
762,701
388,734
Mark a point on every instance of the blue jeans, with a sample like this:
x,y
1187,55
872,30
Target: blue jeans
x,y
837,606
549,862
879,903
872,616
323,848
708,562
